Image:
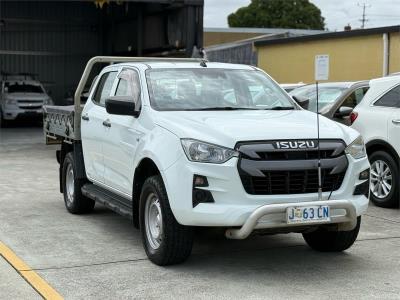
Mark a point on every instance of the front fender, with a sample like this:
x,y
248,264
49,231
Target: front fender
x,y
161,146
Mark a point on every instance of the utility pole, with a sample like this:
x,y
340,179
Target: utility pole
x,y
363,19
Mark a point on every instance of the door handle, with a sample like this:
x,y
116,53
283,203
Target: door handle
x,y
107,123
396,122
85,117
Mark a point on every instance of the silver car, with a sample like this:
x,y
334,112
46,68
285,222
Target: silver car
x,y
21,96
336,99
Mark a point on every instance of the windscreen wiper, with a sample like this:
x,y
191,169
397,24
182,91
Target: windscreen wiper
x,y
280,108
224,108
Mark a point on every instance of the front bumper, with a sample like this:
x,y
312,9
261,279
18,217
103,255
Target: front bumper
x,y
16,112
233,206
343,213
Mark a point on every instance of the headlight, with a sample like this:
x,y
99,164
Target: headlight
x,y
48,101
357,148
207,153
11,101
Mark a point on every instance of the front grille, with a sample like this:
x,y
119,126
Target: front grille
x,y
295,155
265,170
29,101
30,104
291,182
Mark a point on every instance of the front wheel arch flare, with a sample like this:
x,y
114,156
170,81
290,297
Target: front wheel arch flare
x,y
145,169
380,145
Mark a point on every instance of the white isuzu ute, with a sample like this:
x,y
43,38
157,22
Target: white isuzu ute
x,y
179,143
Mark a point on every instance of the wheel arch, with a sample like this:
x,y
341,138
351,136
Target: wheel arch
x,y
145,168
380,145
77,152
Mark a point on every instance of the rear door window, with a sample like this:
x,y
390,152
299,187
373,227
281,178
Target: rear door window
x,y
390,99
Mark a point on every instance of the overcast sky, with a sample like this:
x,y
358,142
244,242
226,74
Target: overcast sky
x,y
337,13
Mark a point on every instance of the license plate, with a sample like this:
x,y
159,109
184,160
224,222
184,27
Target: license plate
x,y
308,214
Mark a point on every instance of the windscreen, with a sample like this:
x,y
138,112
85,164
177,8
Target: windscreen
x,y
24,88
326,95
208,89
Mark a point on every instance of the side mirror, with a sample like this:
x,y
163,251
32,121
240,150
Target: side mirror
x,y
343,112
302,101
121,105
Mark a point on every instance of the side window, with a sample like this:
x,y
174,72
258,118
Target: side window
x,y
390,99
355,97
103,89
129,85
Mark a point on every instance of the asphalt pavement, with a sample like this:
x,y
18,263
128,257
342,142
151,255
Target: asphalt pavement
x,y
100,255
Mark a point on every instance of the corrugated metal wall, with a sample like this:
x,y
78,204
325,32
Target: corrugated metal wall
x,y
54,39
242,54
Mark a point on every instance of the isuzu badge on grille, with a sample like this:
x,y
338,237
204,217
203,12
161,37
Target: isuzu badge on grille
x,y
295,145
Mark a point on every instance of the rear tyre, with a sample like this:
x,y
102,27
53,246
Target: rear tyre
x,y
385,180
165,241
74,201
332,241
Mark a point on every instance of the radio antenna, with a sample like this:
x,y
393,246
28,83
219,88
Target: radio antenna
x,y
318,149
321,73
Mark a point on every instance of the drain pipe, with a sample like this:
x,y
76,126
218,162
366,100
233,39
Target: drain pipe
x,y
385,70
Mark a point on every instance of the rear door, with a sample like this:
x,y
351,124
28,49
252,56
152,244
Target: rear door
x,y
123,136
392,98
92,128
394,130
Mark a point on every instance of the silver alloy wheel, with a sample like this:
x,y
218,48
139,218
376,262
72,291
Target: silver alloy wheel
x,y
153,221
381,179
70,183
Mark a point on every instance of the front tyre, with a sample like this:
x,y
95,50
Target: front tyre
x,y
165,241
332,241
384,185
74,201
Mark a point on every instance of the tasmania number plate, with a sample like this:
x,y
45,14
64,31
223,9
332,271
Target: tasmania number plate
x,y
308,214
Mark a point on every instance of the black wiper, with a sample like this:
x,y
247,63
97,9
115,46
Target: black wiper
x,y
281,108
224,108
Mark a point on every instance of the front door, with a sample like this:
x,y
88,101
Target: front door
x,y
93,130
123,136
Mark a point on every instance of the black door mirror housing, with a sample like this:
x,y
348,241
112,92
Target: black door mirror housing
x,y
302,101
121,105
343,112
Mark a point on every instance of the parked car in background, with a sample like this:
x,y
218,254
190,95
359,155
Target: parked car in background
x,y
21,96
377,118
336,99
288,87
